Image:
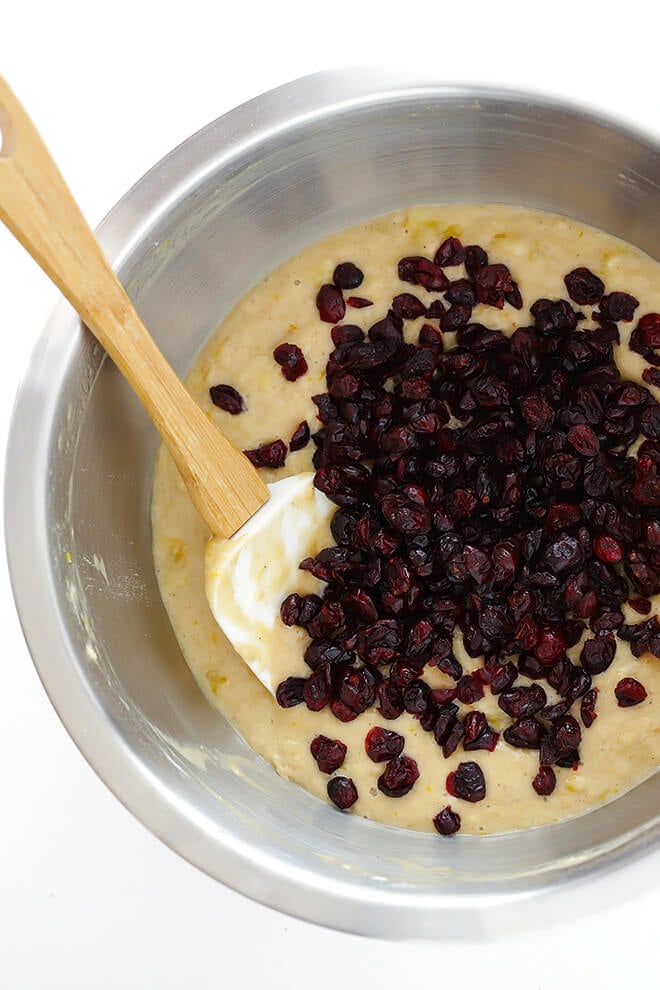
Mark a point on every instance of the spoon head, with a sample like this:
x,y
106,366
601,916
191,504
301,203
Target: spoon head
x,y
249,576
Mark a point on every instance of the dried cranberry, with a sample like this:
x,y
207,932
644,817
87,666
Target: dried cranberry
x,y
467,782
525,733
342,711
462,292
300,437
361,603
407,511
583,287
650,422
452,738
631,395
651,376
430,337
607,621
619,306
347,276
446,716
330,304
583,439
588,708
597,654
427,720
228,398
447,822
629,692
579,684
419,637
291,360
450,253
327,410
290,692
421,271
332,563
330,616
530,667
550,317
269,455
435,310
506,560
383,744
550,645
566,735
564,471
316,691
477,733
408,307
553,712
646,335
469,690
641,605
342,792
545,781
441,696
522,700
477,564
328,753
537,412
493,282
564,554
562,515
380,642
560,676
355,688
403,673
398,777
309,607
608,549
642,636
475,258
458,315
290,610
359,302
513,296
503,678
416,698
320,652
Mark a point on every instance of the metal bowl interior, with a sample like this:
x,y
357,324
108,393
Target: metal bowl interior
x,y
192,236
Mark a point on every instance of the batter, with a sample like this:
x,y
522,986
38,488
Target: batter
x,y
623,745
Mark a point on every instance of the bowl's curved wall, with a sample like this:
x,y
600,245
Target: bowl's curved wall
x,y
189,239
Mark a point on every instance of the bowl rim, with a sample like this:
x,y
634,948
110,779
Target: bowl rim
x,y
244,867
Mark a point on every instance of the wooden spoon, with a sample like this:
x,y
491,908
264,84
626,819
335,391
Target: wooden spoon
x,y
37,206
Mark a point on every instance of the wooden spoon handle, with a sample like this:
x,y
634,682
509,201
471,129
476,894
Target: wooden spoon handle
x,y
38,208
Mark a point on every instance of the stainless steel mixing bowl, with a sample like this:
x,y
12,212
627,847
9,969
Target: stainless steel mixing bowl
x,y
188,240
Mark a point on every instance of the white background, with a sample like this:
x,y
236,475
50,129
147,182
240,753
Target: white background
x,y
88,898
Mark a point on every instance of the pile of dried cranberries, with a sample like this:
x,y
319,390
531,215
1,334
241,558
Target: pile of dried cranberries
x,y
490,487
